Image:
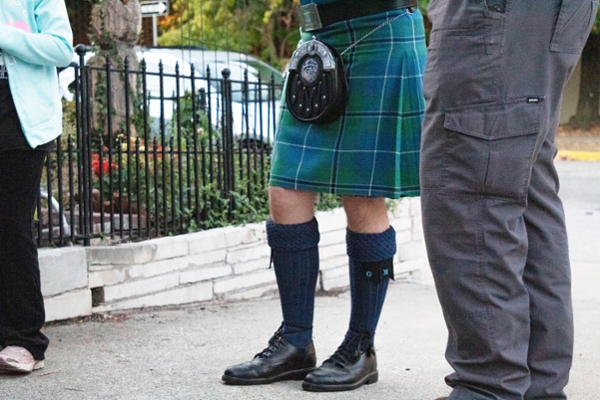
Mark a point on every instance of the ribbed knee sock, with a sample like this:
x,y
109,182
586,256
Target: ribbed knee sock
x,y
371,267
295,253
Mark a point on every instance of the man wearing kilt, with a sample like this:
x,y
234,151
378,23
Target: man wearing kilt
x,y
369,153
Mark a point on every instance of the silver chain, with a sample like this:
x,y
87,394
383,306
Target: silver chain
x,y
372,31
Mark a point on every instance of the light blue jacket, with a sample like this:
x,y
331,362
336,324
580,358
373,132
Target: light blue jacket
x,y
35,38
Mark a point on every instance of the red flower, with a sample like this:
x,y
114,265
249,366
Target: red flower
x,y
105,166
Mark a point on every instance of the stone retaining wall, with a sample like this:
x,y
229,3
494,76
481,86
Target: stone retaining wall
x,y
224,264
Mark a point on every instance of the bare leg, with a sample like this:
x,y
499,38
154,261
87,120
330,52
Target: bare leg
x,y
291,206
366,214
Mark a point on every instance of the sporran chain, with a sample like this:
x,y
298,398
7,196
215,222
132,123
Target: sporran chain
x,y
372,31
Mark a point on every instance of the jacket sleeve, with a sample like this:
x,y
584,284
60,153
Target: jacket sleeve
x,y
51,45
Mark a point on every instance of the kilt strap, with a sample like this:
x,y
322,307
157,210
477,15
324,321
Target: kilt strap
x,y
313,16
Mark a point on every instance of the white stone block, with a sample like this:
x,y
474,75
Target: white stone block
x,y
403,276
410,251
251,266
259,230
403,237
417,229
246,253
415,206
409,265
402,224
236,236
245,281
68,305
236,257
106,277
334,273
334,262
62,270
422,276
206,241
176,264
128,253
333,237
332,220
156,268
204,273
170,247
268,291
209,257
180,295
335,283
336,250
141,287
103,267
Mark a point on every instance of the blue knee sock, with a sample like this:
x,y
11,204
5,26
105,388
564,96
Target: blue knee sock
x,y
295,255
371,268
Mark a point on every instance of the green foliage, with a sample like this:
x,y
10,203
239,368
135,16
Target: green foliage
x,y
265,29
596,28
423,4
69,120
189,120
327,202
220,209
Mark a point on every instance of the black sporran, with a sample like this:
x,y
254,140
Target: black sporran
x,y
316,90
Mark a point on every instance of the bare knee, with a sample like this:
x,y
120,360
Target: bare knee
x,y
291,206
366,214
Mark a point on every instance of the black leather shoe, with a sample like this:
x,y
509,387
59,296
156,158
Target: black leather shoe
x,y
352,365
280,361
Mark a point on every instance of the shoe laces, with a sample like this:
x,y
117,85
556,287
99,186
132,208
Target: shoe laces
x,y
350,351
276,342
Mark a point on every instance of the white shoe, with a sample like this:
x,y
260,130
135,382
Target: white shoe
x,y
18,360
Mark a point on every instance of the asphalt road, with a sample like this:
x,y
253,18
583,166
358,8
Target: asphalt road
x,y
181,353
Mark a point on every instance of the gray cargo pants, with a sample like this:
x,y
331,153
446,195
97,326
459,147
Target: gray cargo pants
x,y
493,222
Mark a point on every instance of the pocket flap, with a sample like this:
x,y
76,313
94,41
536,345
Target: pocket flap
x,y
496,121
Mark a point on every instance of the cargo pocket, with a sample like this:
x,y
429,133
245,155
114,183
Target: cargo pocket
x,y
574,23
464,58
489,148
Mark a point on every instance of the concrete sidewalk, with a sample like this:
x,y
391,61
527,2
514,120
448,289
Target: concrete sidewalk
x,y
181,353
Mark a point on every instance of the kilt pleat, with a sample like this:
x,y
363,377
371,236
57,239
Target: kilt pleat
x,y
373,148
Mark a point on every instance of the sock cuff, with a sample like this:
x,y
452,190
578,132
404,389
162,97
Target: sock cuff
x,y
371,247
294,237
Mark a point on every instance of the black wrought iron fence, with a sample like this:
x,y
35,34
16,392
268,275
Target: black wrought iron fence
x,y
134,164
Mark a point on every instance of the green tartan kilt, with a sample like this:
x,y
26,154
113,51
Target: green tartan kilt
x,y
373,149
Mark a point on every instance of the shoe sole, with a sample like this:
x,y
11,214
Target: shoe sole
x,y
317,387
295,375
7,367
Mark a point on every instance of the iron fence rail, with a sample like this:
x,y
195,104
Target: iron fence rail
x,y
156,174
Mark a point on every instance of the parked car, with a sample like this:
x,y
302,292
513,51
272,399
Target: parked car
x,y
216,61
254,104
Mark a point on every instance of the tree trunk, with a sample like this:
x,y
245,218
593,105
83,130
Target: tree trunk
x,y
589,89
116,28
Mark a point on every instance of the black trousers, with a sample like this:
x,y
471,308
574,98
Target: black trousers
x,y
21,303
